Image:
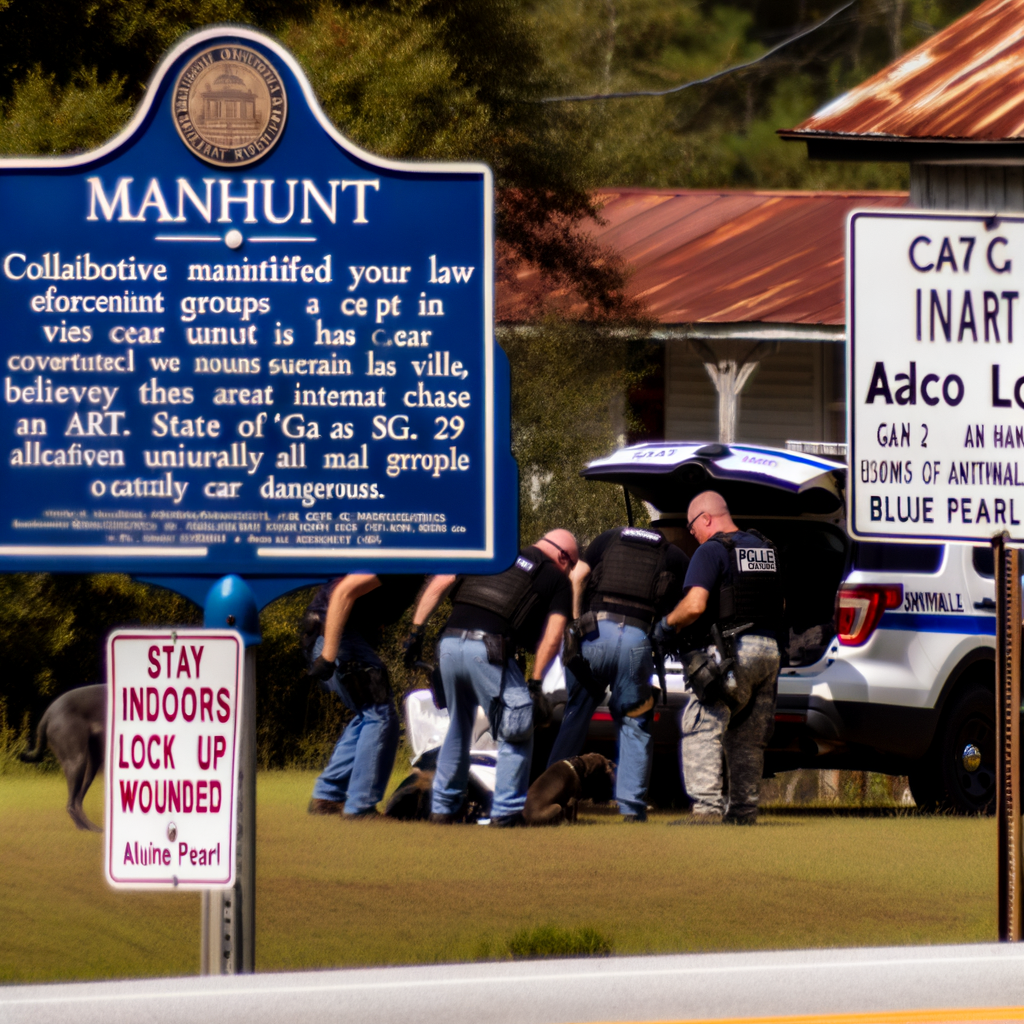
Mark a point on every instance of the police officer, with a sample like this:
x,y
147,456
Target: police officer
x,y
526,607
352,612
734,600
627,577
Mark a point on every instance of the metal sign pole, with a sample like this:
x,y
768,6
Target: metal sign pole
x,y
1008,657
245,887
228,943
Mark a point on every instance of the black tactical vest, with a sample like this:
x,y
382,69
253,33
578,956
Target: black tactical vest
x,y
751,590
631,571
509,594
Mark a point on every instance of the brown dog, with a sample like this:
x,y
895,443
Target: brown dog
x,y
74,725
554,797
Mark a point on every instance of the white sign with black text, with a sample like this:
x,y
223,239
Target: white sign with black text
x,y
173,727
935,396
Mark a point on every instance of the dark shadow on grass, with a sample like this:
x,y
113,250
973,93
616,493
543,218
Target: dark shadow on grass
x,y
550,942
848,812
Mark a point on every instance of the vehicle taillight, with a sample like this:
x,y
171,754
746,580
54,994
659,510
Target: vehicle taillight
x,y
860,606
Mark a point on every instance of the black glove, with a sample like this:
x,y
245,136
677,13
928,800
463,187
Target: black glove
x,y
541,705
663,634
321,668
412,646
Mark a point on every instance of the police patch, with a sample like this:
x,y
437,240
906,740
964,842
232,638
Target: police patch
x,y
525,564
229,106
756,560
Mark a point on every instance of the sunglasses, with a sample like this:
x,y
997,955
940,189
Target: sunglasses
x,y
572,561
689,525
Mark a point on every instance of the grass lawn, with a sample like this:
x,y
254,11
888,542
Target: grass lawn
x,y
334,894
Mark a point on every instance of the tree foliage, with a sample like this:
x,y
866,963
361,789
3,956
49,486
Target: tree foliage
x,y
46,118
568,407
723,134
53,630
458,80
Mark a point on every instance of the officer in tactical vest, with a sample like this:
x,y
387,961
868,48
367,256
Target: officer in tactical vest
x,y
734,602
344,624
526,607
626,579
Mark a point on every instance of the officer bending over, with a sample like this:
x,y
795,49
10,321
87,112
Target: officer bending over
x,y
626,578
525,607
735,598
354,610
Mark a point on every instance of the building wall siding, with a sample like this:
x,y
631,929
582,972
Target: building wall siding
x,y
966,187
796,393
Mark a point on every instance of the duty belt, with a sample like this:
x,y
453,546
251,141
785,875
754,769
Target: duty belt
x,y
624,620
496,645
468,634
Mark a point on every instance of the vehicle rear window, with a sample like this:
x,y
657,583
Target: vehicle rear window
x,y
923,558
984,562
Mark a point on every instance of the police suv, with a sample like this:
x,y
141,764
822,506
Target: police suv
x,y
888,650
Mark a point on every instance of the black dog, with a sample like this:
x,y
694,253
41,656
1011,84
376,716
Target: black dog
x,y
556,794
74,725
411,801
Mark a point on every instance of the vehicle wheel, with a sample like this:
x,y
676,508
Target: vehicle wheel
x,y
965,759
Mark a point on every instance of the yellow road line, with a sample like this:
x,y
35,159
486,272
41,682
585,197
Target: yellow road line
x,y
983,1015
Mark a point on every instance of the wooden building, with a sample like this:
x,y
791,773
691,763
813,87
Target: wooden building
x,y
747,289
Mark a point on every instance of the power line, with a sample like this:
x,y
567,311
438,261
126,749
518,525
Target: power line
x,y
699,81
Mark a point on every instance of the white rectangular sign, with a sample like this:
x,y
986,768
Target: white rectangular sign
x,y
935,396
173,727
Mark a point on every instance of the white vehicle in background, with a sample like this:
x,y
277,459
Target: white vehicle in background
x,y
888,650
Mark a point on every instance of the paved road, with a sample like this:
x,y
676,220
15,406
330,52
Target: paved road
x,y
824,983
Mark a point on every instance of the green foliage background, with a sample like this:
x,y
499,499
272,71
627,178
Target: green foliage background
x,y
456,79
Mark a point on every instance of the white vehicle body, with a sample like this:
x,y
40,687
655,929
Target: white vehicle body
x,y
426,728
888,664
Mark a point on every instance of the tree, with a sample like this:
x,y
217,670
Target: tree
x,y
414,79
53,629
723,134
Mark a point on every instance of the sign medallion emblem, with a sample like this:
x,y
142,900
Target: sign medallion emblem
x,y
230,106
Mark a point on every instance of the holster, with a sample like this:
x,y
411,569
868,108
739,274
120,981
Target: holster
x,y
571,642
365,683
495,713
706,676
495,646
584,675
437,689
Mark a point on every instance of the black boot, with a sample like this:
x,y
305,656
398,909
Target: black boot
x,y
509,821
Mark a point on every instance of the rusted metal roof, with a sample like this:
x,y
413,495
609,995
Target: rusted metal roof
x,y
699,256
964,83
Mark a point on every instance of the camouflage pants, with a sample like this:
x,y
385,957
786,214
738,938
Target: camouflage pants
x,y
726,744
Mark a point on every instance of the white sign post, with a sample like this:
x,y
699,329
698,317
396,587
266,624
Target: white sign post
x,y
935,426
936,376
174,719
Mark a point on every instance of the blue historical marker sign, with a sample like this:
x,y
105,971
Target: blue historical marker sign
x,y
233,341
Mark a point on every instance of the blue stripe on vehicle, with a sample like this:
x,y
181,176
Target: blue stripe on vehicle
x,y
969,625
807,460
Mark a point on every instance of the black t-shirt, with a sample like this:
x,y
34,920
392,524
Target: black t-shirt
x,y
674,561
709,566
554,597
381,607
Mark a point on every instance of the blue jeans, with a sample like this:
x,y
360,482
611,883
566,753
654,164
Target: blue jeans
x,y
360,765
471,681
619,658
